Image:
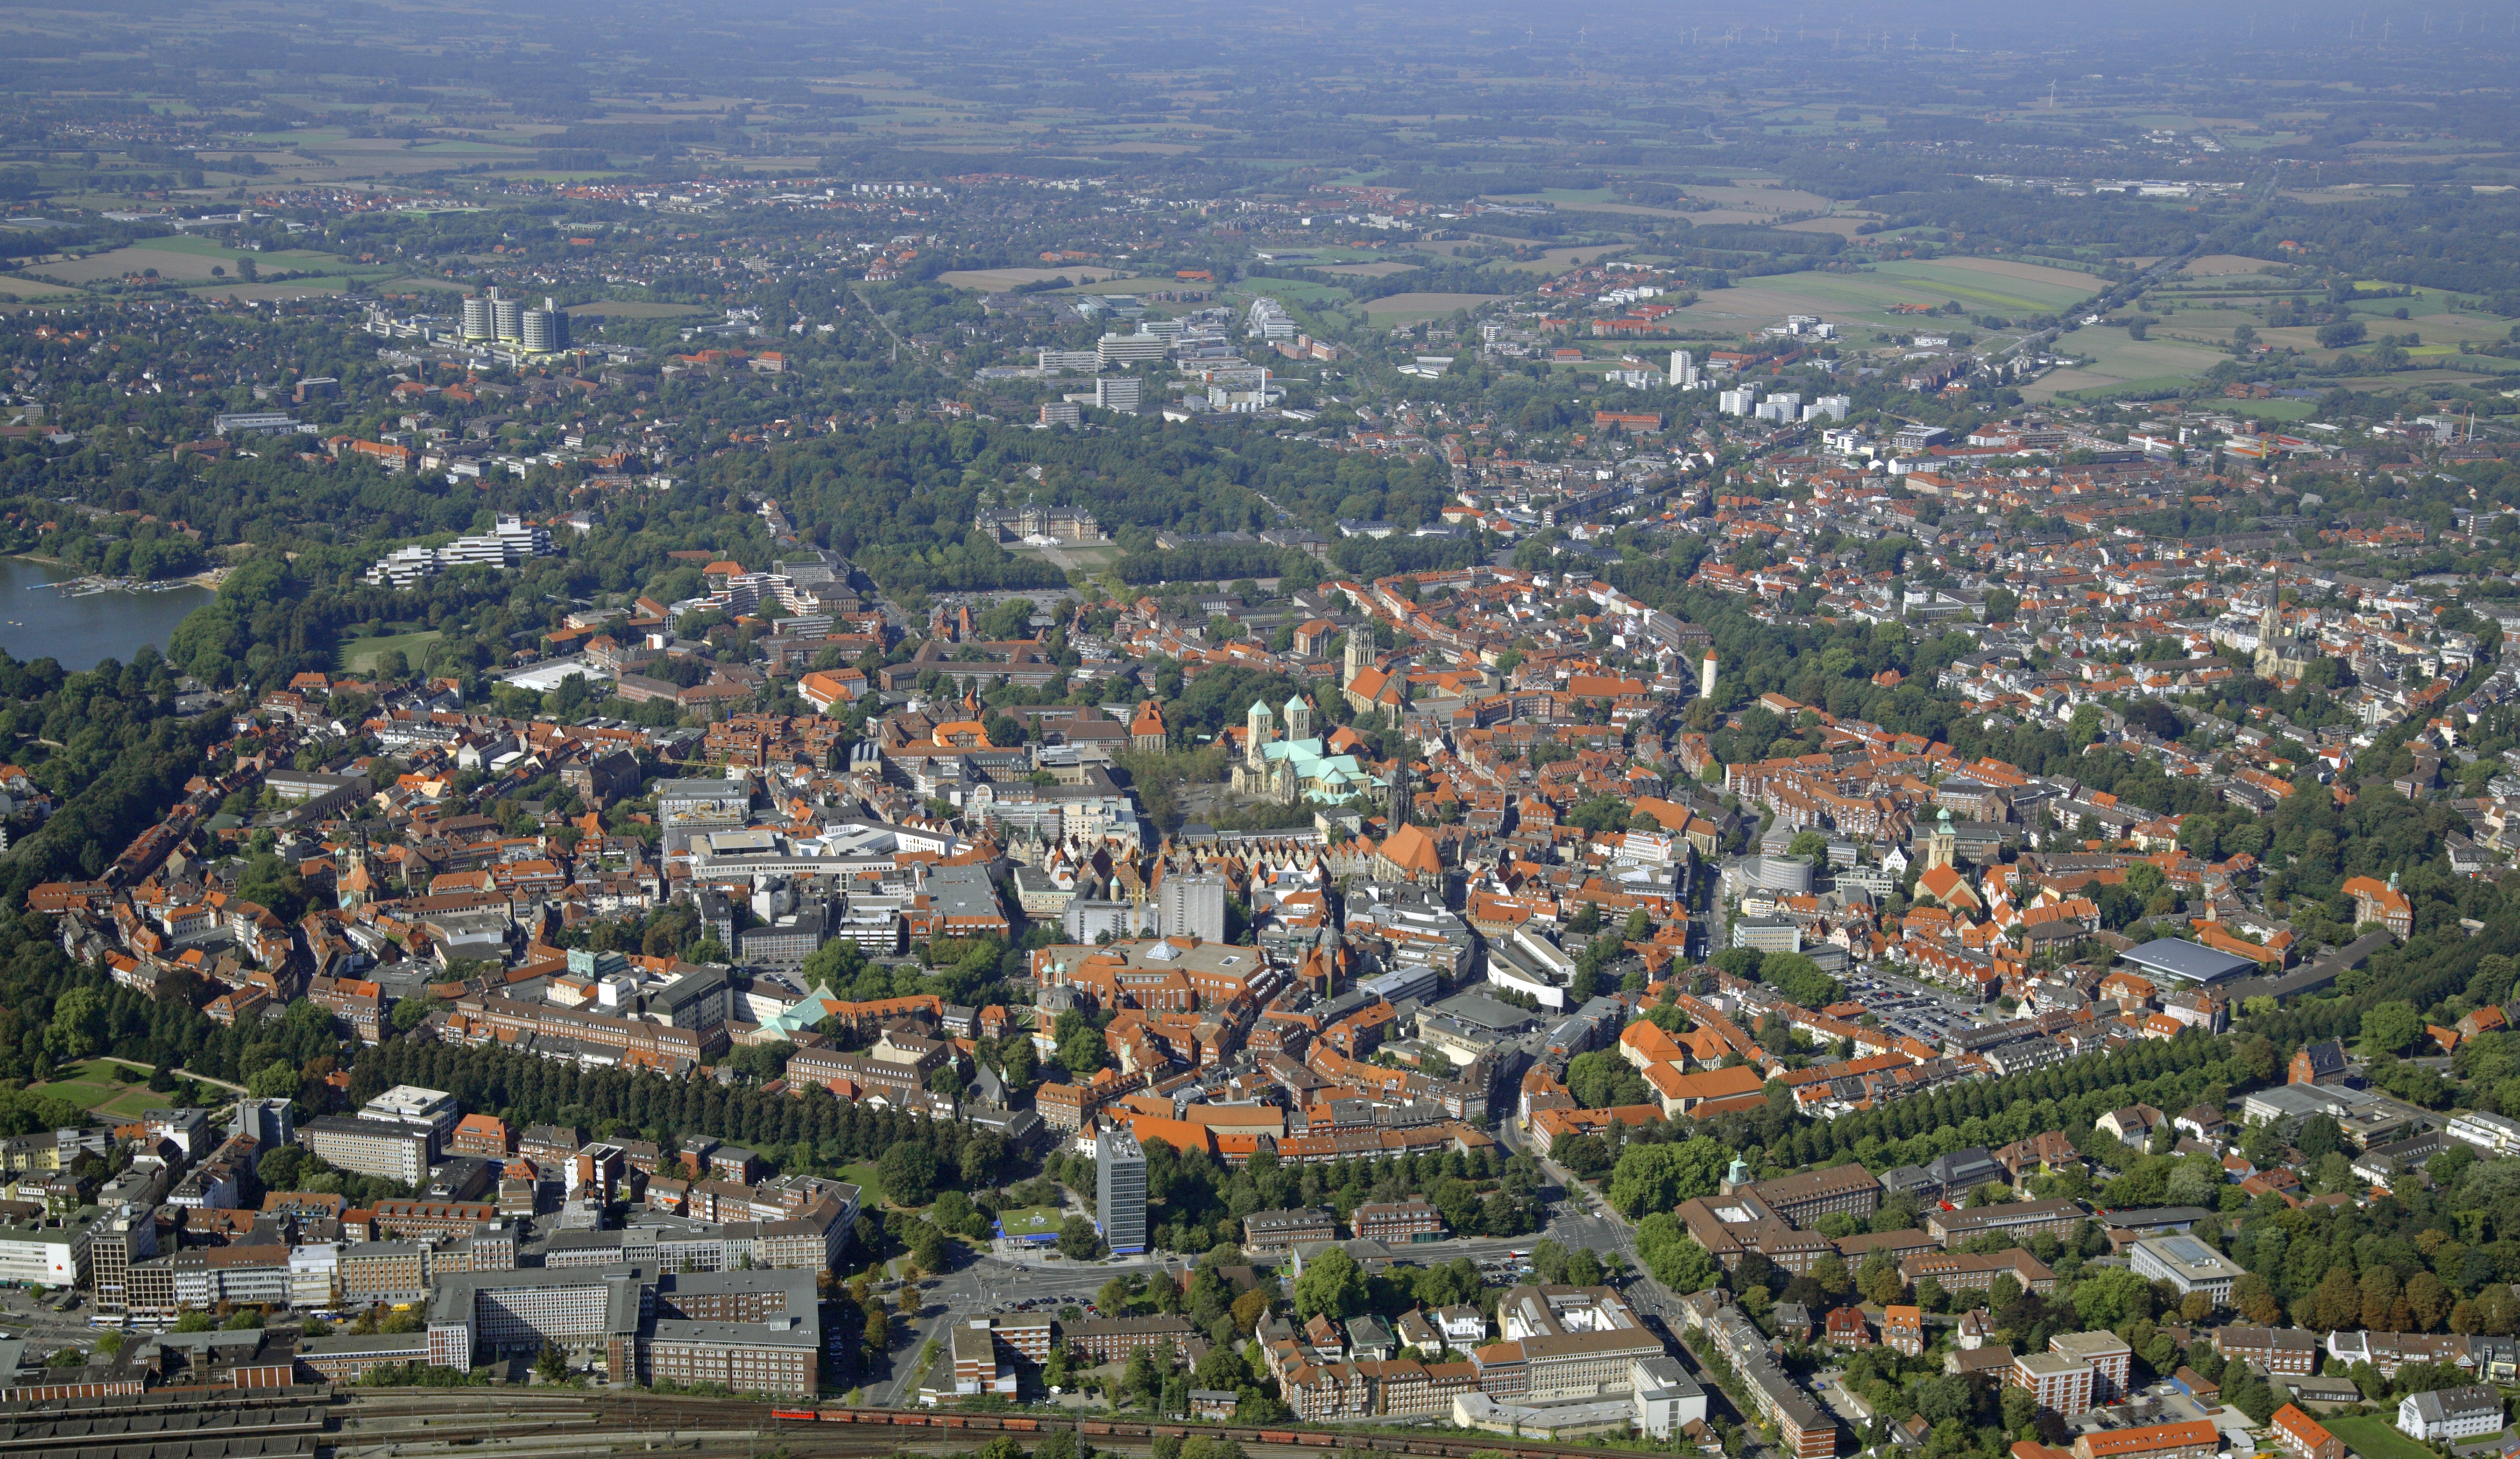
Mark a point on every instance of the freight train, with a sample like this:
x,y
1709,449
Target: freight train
x,y
1447,1445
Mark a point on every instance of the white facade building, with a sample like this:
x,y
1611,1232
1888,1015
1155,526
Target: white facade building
x,y
2451,1414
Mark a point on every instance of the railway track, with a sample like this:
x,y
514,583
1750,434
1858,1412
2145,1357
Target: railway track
x,y
637,1419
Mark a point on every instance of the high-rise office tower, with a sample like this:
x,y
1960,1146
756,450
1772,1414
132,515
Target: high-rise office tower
x,y
1120,1191
546,329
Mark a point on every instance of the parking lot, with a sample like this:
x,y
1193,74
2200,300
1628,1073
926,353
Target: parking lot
x,y
1908,1008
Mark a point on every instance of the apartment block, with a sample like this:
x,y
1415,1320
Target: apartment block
x,y
2062,1385
2199,1439
1113,1340
483,1135
1274,1233
1413,1219
2277,1350
2111,1360
2302,1436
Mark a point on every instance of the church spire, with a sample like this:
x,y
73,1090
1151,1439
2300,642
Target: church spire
x,y
1256,735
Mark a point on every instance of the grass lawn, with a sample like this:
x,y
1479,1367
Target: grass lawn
x,y
870,1185
2375,1437
1031,1222
92,1087
359,654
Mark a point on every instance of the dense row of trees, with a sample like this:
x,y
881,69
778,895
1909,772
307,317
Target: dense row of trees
x,y
1202,1202
816,1133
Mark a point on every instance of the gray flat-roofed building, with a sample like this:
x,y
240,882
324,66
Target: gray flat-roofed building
x,y
2157,1220
963,895
2186,961
2367,1119
703,802
2185,1262
1477,1009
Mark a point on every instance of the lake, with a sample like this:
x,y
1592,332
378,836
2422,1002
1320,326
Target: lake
x,y
44,622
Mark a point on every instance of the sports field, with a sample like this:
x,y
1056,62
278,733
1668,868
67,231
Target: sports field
x,y
92,1086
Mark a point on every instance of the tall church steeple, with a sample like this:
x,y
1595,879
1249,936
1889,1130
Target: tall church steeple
x,y
356,883
1299,718
1942,849
1257,732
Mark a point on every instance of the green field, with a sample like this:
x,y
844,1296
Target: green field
x,y
2375,1437
1034,1222
92,1087
1291,291
870,1184
2030,286
2007,287
359,654
2120,364
2273,410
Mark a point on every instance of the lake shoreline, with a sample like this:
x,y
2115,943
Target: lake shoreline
x,y
80,628
209,579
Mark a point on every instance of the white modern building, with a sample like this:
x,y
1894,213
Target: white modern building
x,y
430,1109
2451,1414
51,1252
1667,1398
2490,1134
